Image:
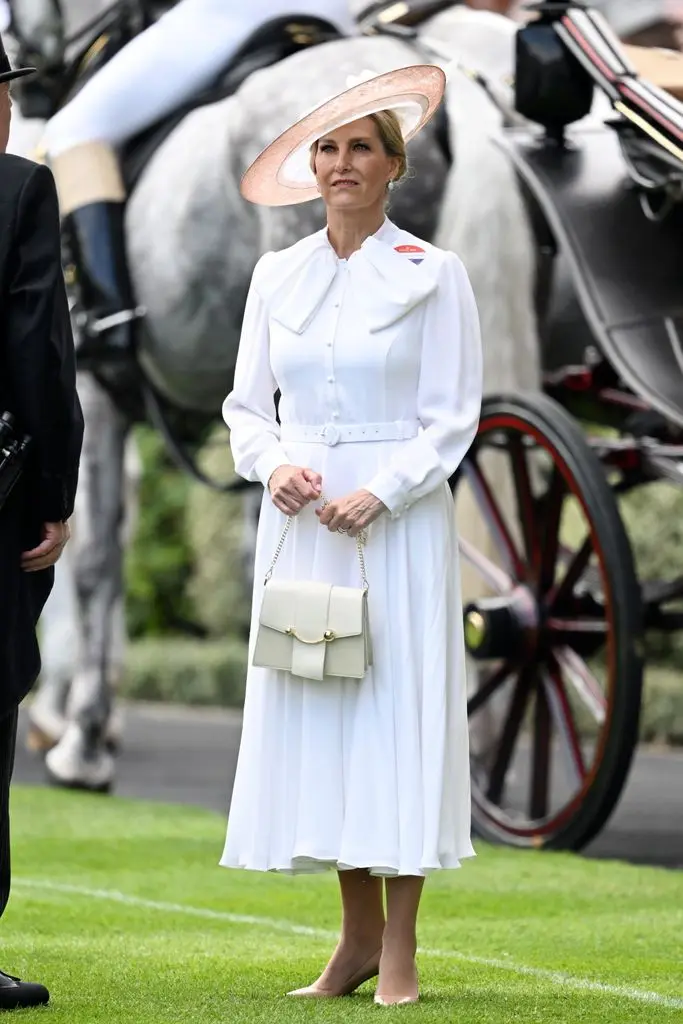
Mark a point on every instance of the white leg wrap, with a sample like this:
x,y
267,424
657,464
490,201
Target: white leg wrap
x,y
88,173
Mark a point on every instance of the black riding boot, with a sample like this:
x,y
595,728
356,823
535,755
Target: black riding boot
x,y
96,238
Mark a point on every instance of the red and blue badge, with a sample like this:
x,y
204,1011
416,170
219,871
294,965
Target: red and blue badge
x,y
414,253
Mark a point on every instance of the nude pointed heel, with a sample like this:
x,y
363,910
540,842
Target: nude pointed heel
x,y
368,970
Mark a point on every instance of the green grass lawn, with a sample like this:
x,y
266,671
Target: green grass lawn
x,y
120,908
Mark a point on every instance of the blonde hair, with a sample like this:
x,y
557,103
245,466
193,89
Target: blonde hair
x,y
391,137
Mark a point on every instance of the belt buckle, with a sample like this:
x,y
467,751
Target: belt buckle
x,y
330,434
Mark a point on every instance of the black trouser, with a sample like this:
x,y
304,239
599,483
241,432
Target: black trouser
x,y
8,739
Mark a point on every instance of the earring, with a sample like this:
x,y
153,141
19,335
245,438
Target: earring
x,y
391,185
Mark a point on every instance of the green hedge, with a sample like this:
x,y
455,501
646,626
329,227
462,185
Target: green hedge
x,y
213,524
160,558
662,714
653,516
176,670
212,672
183,569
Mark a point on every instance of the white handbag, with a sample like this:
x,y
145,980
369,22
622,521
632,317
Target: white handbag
x,y
314,630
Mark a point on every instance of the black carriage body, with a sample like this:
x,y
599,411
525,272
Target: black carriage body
x,y
561,624
610,279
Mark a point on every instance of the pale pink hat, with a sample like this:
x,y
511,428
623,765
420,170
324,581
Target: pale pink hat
x,y
281,174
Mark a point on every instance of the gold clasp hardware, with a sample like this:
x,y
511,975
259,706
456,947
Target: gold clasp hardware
x,y
327,636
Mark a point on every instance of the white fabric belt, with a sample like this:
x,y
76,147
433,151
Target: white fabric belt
x,y
338,433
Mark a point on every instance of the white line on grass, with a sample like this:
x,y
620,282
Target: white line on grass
x,y
554,977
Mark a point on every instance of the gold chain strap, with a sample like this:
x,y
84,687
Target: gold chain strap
x,y
360,541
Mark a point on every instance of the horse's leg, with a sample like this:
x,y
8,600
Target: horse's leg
x,y
81,758
117,652
59,627
58,630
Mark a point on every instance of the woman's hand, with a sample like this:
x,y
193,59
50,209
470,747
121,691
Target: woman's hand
x,y
351,514
292,487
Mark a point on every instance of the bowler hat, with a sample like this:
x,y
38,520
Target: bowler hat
x,y
7,72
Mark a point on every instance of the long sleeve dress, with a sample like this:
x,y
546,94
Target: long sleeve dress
x,y
343,773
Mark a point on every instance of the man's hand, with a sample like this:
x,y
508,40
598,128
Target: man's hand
x,y
48,552
352,513
292,487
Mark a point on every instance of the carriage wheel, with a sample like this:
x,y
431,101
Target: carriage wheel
x,y
553,628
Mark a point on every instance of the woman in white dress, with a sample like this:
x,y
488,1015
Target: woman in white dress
x,y
372,338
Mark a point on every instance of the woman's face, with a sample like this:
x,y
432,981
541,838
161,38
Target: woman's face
x,y
351,167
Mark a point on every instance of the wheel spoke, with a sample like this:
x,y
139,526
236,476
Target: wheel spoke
x,y
566,725
578,626
486,691
508,739
575,570
494,518
525,499
495,577
584,684
550,536
540,759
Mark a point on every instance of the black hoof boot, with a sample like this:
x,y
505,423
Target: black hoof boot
x,y
96,239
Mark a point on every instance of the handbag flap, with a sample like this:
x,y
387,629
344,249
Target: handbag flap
x,y
311,608
346,611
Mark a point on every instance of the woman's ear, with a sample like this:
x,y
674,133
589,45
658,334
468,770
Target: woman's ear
x,y
395,165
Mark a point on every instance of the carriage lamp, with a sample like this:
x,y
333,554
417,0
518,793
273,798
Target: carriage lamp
x,y
552,88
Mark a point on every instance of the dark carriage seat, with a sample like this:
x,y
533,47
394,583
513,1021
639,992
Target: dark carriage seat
x,y
627,271
269,44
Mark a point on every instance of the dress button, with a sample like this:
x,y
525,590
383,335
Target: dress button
x,y
329,344
335,415
330,380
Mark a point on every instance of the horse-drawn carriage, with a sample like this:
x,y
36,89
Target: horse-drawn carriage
x,y
555,616
560,618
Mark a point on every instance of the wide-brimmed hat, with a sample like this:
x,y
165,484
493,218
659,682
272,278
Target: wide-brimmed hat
x,y
7,72
281,175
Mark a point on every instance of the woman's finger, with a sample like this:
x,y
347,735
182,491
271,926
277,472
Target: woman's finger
x,y
290,510
336,522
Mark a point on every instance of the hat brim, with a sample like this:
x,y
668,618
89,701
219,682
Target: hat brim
x,y
419,88
8,76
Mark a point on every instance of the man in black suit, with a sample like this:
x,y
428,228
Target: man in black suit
x,y
38,386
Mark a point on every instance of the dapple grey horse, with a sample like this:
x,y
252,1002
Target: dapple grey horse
x,y
193,243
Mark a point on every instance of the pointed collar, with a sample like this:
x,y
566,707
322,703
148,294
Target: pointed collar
x,y
387,285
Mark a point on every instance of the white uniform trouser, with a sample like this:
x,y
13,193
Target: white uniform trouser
x,y
167,64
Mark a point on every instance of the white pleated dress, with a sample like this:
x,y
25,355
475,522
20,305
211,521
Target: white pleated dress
x,y
374,773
